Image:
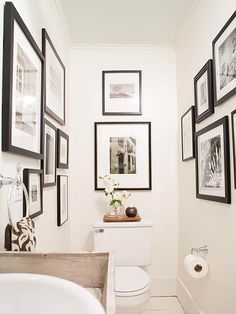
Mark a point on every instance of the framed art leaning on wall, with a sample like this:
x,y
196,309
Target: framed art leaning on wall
x,y
213,162
54,81
224,47
123,151
22,98
122,92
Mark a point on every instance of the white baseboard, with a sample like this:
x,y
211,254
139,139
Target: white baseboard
x,y
186,299
163,286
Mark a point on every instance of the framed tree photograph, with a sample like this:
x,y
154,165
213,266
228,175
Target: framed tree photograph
x,y
54,80
22,98
62,150
203,93
123,151
213,162
233,119
49,161
33,180
62,199
224,60
187,134
121,92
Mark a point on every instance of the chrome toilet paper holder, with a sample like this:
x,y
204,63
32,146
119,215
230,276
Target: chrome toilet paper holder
x,y
199,250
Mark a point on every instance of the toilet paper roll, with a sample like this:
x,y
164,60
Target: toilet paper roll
x,y
195,266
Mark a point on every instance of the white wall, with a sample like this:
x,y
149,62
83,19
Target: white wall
x,y
159,107
36,15
200,221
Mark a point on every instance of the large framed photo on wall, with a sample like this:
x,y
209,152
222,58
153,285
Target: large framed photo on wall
x,y
224,47
49,161
122,92
203,93
213,162
187,134
22,98
54,81
123,151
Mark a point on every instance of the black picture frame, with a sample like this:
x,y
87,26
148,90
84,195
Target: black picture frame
x,y
47,109
227,94
26,179
233,114
10,17
208,92
60,219
105,74
212,161
132,124
60,135
45,156
190,115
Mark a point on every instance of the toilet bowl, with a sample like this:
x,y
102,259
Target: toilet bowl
x,y
132,289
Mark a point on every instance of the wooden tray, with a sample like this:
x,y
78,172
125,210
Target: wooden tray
x,y
123,218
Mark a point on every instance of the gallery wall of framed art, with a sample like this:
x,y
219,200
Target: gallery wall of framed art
x,y
213,85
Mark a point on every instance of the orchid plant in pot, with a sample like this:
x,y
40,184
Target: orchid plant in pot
x,y
116,198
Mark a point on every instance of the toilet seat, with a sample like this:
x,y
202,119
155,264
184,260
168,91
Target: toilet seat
x,y
131,281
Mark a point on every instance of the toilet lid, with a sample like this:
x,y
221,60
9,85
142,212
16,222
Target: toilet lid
x,y
130,279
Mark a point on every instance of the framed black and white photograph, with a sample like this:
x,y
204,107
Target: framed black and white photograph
x,y
123,151
213,162
233,119
54,81
49,161
203,92
62,199
187,134
224,57
33,180
22,98
62,150
121,92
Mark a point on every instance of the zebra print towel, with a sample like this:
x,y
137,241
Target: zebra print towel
x,y
20,236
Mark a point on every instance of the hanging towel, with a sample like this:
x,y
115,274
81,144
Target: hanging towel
x,y
20,236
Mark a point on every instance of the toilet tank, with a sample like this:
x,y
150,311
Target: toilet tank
x,y
130,241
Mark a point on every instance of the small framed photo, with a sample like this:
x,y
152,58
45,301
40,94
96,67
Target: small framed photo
x,y
224,59
22,97
203,93
33,180
233,119
49,161
121,92
62,150
187,134
62,199
213,162
123,151
55,80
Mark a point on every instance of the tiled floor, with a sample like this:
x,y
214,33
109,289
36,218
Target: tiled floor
x,y
163,305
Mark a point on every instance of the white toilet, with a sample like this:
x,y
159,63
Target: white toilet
x,y
131,244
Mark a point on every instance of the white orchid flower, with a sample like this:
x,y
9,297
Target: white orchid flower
x,y
117,196
125,195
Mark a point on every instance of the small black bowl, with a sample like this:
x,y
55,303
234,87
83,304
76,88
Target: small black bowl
x,y
131,211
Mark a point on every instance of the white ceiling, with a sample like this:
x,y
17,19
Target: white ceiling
x,y
124,22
